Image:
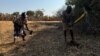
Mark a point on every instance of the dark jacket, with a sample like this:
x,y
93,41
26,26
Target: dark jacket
x,y
67,18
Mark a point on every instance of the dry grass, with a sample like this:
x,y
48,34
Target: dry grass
x,y
5,26
47,40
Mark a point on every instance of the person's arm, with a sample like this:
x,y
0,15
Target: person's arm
x,y
26,26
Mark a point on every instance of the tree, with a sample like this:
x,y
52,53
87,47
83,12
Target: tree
x,y
15,13
91,7
30,13
59,13
39,13
7,16
1,15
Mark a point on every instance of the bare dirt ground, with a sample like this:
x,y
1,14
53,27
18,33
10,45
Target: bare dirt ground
x,y
47,40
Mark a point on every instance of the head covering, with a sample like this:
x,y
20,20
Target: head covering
x,y
68,9
23,16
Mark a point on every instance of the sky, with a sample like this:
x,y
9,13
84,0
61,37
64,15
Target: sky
x,y
50,6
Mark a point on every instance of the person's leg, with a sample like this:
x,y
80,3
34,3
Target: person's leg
x,y
16,34
72,35
23,33
23,37
64,31
73,42
14,38
65,35
94,33
15,31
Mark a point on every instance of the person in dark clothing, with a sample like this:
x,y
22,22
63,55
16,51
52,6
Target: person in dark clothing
x,y
68,23
19,29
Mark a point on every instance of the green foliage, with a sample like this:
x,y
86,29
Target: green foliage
x,y
30,13
91,7
70,2
59,13
39,13
15,13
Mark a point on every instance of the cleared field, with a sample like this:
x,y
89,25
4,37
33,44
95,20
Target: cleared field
x,y
5,26
46,40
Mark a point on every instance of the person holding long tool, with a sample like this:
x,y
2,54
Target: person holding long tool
x,y
68,22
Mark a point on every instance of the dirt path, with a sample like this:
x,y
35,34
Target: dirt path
x,y
49,41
